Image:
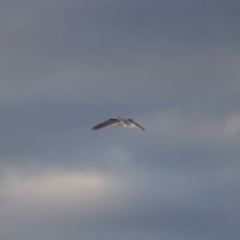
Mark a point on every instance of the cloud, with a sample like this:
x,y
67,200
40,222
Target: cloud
x,y
172,67
186,129
232,126
54,194
105,201
57,188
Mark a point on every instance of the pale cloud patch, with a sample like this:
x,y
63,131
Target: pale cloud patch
x,y
58,194
179,128
232,126
55,186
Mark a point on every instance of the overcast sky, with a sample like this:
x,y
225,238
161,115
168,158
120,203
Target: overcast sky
x,y
172,66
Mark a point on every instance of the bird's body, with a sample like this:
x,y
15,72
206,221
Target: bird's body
x,y
118,122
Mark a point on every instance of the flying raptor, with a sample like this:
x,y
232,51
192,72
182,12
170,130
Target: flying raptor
x,y
118,122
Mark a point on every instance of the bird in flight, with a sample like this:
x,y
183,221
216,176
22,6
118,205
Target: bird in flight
x,y
118,122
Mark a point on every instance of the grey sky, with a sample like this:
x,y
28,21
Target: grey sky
x,y
173,66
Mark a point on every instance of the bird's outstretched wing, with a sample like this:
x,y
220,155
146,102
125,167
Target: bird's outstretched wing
x,y
134,124
109,122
